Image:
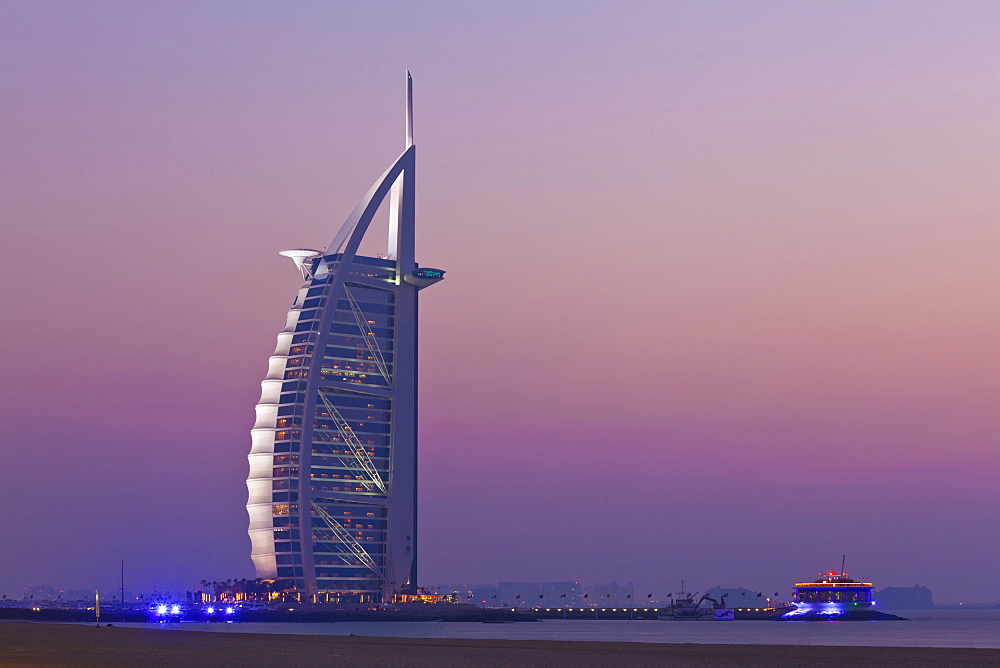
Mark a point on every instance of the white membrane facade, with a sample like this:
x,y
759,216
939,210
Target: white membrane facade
x,y
333,461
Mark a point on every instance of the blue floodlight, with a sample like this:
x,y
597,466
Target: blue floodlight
x,y
161,609
175,610
229,611
211,611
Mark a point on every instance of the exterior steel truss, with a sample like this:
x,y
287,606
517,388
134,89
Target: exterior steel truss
x,y
349,462
345,538
369,337
357,449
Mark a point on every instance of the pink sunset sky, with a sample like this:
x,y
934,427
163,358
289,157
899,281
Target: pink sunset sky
x,y
721,300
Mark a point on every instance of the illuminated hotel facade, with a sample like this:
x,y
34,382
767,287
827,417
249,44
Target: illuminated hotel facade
x,y
333,460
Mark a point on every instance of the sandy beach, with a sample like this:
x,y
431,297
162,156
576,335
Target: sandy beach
x,y
36,644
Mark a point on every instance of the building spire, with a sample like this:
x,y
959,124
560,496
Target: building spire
x,y
409,109
400,214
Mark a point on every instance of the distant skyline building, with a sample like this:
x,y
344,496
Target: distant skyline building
x,y
557,594
333,461
609,594
518,594
905,598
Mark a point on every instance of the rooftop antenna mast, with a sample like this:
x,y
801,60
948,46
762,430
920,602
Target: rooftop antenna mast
x,y
409,109
843,559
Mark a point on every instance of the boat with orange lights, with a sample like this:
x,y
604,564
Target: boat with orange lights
x,y
835,597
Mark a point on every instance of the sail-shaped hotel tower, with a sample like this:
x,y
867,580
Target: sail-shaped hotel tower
x,y
333,460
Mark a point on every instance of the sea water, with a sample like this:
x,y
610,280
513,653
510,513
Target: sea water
x,y
925,628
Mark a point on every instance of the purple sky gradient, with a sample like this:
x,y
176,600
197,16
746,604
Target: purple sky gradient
x,y
721,298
